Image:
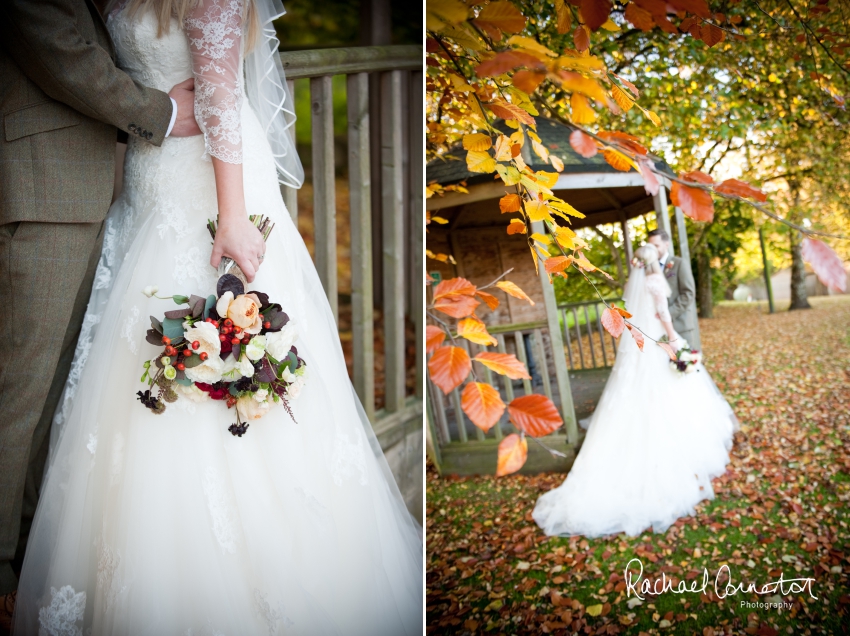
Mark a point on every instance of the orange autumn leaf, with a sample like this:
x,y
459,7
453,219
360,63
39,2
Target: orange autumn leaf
x,y
828,266
513,289
449,367
585,145
453,287
621,311
510,111
475,331
695,202
595,12
528,81
458,306
564,17
489,299
535,415
513,451
669,349
580,110
500,16
711,34
482,404
740,189
510,203
617,159
613,322
505,364
434,337
637,335
697,176
516,227
641,18
507,61
557,264
581,38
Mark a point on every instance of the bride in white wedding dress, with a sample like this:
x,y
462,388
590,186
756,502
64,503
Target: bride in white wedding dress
x,y
168,524
656,438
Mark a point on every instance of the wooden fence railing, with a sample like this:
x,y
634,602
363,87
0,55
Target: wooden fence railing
x,y
587,344
393,71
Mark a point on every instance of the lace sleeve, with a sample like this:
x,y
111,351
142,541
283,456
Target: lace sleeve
x,y
654,284
214,29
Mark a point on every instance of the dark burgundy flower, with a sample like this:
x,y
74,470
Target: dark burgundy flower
x,y
217,391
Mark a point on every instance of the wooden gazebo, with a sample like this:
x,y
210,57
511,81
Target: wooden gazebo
x,y
568,354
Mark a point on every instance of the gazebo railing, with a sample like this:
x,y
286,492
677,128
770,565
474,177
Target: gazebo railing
x,y
397,75
463,448
587,344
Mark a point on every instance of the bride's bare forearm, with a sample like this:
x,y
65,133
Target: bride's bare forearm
x,y
668,327
229,190
236,237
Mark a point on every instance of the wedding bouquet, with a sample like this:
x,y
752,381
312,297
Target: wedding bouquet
x,y
232,346
686,360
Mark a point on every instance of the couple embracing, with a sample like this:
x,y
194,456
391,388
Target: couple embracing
x,y
113,521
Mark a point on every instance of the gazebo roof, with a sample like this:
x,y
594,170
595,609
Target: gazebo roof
x,y
555,136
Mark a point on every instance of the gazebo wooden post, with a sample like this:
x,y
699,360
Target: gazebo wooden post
x,y
562,374
662,215
627,241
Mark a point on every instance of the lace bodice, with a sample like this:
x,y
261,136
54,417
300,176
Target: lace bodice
x,y
208,47
657,287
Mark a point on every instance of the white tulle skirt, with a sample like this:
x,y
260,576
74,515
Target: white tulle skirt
x,y
654,443
168,524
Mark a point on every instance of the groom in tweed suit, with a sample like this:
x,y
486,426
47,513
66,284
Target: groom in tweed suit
x,y
682,301
63,104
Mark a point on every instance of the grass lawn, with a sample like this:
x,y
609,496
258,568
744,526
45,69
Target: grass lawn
x,y
781,508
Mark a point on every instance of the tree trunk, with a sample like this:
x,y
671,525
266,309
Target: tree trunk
x,y
799,296
705,299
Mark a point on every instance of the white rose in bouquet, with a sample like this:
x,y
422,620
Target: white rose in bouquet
x,y
280,342
256,348
192,393
250,409
206,335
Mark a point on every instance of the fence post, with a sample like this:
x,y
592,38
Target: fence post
x,y
360,198
417,223
562,375
290,195
392,192
324,196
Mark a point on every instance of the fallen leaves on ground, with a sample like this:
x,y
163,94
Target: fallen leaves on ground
x,y
782,507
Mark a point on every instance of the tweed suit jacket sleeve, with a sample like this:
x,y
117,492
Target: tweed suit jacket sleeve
x,y
43,40
686,287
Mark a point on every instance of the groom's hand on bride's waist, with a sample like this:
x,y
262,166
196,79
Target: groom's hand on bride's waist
x,y
183,95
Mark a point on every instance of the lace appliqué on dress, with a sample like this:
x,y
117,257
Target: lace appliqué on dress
x,y
270,615
215,38
107,584
223,526
192,264
127,330
348,458
67,608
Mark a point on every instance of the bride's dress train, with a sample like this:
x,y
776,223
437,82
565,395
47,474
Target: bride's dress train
x,y
168,524
654,443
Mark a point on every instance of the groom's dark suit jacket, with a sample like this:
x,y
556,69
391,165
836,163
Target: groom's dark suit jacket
x,y
61,100
682,300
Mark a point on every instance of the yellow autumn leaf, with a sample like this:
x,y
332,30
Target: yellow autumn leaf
x,y
478,161
518,138
510,175
565,208
533,136
610,25
594,610
587,64
459,84
477,141
442,13
542,239
502,148
557,164
580,111
624,101
530,46
537,210
439,219
564,237
475,331
655,119
540,150
546,179
513,289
